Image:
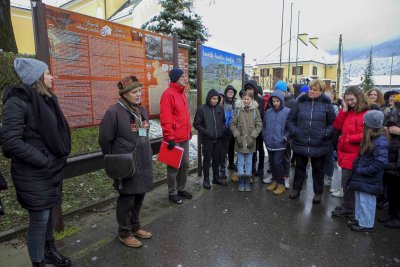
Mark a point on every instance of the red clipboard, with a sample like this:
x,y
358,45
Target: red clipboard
x,y
171,157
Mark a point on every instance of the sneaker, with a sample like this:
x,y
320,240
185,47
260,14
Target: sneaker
x,y
175,199
279,190
267,180
294,194
130,241
235,177
342,213
143,234
287,184
185,194
358,228
327,180
393,223
338,193
317,199
272,186
352,222
333,189
206,185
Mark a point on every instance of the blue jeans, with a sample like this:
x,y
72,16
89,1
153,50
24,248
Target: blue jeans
x,y
276,164
40,229
365,207
244,159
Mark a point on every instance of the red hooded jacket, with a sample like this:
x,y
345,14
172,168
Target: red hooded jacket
x,y
351,124
174,114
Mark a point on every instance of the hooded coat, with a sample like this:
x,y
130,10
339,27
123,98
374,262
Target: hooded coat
x,y
393,166
246,125
368,169
275,133
36,172
260,100
116,137
209,120
310,123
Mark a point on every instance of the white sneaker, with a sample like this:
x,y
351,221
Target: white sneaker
x,y
327,180
334,189
338,193
267,180
287,184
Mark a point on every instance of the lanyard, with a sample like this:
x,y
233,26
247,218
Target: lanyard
x,y
140,119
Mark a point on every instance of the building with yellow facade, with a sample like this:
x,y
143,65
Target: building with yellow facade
x,y
132,13
312,62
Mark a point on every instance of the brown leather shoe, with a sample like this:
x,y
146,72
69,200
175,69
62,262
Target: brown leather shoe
x,y
143,234
130,241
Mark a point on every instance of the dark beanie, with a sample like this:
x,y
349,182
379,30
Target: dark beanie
x,y
373,119
128,84
175,74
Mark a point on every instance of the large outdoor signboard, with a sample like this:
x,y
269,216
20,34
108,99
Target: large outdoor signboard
x,y
88,56
219,70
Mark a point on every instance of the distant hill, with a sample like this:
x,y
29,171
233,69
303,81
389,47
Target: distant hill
x,y
355,60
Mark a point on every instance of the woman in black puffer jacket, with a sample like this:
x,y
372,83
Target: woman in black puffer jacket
x,y
36,136
310,123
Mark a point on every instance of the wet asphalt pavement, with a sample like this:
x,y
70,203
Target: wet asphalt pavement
x,y
224,227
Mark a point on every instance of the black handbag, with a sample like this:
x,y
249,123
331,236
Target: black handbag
x,y
120,166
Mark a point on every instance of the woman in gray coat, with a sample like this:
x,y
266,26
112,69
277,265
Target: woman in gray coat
x,y
125,129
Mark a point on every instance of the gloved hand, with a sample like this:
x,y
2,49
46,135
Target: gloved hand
x,y
251,142
171,144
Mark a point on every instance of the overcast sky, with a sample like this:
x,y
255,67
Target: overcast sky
x,y
254,26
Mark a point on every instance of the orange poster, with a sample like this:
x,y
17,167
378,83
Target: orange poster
x,y
88,56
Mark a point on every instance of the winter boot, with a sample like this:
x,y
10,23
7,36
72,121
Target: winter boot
x,y
272,186
247,186
241,183
206,183
52,256
38,264
280,189
235,177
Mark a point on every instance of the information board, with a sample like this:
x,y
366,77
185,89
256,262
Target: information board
x,y
88,56
220,69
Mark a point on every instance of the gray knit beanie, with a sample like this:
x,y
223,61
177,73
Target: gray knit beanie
x,y
29,69
373,119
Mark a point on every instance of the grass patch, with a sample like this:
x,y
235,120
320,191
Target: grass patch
x,y
68,231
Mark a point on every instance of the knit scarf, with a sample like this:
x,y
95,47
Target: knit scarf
x,y
51,123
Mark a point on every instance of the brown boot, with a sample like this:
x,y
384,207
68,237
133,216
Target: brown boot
x,y
142,234
272,186
130,241
235,177
280,189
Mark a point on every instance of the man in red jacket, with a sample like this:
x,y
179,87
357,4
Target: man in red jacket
x,y
176,127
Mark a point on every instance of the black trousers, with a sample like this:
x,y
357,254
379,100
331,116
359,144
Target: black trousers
x,y
300,173
128,209
261,153
393,191
231,151
212,150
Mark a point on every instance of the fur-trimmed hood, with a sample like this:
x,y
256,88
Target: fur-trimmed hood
x,y
17,91
239,104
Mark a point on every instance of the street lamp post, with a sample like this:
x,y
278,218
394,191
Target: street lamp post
x,y
391,68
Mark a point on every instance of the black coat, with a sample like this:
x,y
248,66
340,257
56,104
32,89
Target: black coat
x,y
368,169
36,172
209,121
116,137
393,167
310,123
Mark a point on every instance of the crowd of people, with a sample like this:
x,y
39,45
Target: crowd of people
x,y
361,133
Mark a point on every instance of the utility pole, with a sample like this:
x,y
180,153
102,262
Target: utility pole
x,y
283,12
290,41
339,65
297,45
391,68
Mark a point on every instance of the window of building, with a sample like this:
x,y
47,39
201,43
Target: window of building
x,y
314,70
299,70
264,72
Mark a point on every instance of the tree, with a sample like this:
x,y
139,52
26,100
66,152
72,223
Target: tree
x,y
178,16
7,38
368,82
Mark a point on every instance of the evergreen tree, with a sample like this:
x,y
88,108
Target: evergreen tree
x,y
368,82
178,16
7,39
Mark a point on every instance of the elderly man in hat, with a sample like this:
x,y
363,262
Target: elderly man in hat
x,y
176,128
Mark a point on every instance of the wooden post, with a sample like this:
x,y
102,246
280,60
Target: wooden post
x,y
243,69
199,97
